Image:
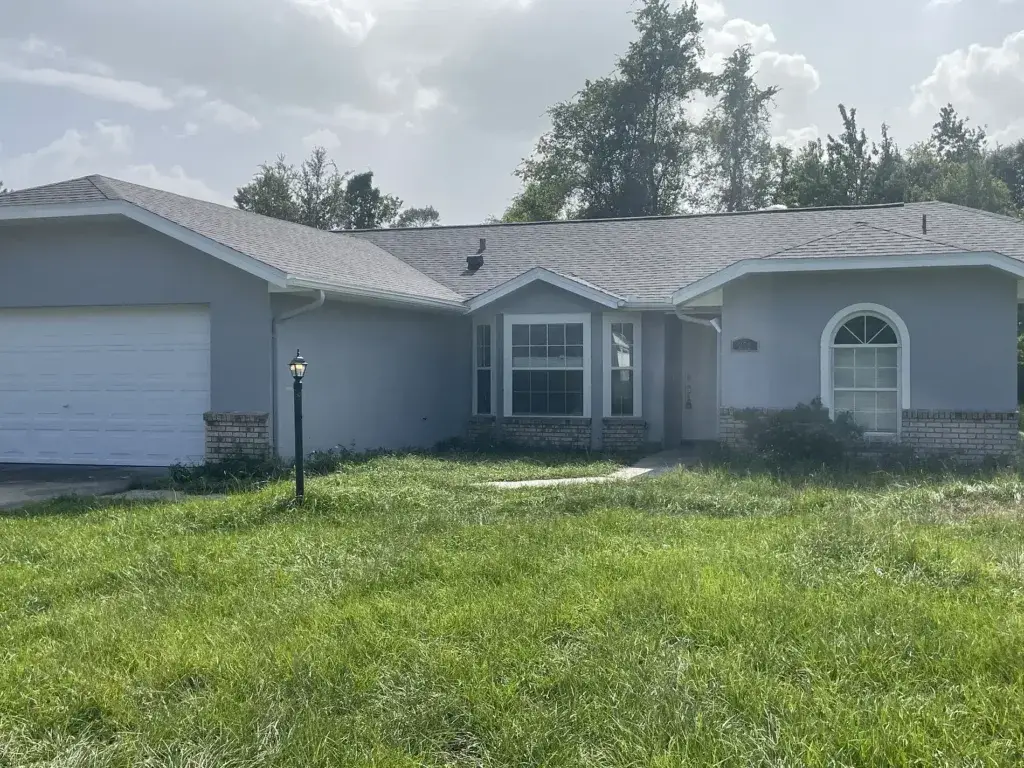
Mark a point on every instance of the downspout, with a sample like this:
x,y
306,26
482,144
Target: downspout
x,y
312,306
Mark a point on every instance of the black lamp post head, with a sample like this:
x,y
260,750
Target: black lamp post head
x,y
297,366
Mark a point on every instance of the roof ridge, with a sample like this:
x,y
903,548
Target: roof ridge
x,y
620,219
921,237
826,236
103,188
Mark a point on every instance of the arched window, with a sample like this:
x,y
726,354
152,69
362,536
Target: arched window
x,y
865,367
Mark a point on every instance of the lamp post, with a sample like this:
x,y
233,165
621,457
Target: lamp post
x,y
298,368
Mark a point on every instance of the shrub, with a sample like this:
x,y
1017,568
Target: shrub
x,y
806,433
326,462
228,475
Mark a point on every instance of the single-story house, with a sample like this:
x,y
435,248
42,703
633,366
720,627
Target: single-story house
x,y
139,327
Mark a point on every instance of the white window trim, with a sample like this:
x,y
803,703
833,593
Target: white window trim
x,y
606,356
511,320
902,355
476,367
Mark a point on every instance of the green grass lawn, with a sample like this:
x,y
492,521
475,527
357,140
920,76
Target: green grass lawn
x,y
406,617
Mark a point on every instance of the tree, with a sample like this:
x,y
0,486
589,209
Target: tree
x,y
953,139
623,144
1008,166
3,190
271,191
318,195
889,177
320,191
418,217
367,207
807,181
850,162
740,163
542,200
969,182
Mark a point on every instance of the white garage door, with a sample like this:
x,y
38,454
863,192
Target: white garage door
x,y
104,385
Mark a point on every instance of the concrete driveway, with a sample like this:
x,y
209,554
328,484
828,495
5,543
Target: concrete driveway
x,y
22,484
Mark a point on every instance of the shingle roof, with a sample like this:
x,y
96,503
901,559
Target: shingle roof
x,y
642,260
299,251
647,260
865,240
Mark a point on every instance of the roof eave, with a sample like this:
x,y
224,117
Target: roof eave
x,y
373,294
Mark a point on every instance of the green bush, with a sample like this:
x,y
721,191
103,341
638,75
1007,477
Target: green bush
x,y
228,475
327,462
806,433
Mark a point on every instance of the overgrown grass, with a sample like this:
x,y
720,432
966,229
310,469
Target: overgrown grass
x,y
405,616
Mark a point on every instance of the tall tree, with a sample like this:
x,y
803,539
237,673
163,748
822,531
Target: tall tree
x,y
740,163
954,139
418,217
318,195
623,144
320,191
1008,166
3,190
807,182
889,177
850,162
271,191
367,207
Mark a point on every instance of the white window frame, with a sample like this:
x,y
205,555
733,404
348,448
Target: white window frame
x,y
511,320
839,319
637,367
477,367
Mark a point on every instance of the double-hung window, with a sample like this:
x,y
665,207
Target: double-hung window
x,y
483,369
622,366
547,365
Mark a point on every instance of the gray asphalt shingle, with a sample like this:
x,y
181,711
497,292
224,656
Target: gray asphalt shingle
x,y
647,260
642,260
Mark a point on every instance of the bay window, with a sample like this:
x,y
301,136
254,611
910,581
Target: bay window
x,y
547,365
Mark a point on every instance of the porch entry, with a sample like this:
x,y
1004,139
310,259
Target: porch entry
x,y
700,382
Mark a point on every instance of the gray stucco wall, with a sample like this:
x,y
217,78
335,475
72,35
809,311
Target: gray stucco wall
x,y
116,262
378,377
962,324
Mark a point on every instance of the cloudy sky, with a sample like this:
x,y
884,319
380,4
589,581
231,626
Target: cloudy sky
x,y
442,98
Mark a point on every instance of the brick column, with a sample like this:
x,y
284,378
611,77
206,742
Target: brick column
x,y
236,436
971,435
623,434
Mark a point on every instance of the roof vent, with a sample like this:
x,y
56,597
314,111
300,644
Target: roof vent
x,y
474,262
924,224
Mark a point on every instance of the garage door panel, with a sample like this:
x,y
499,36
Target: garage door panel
x,y
108,385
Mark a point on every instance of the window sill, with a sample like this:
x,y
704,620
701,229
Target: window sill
x,y
522,419
625,419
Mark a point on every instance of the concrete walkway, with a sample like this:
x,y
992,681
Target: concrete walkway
x,y
22,484
650,466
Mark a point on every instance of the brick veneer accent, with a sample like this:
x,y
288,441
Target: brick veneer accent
x,y
623,434
565,434
972,435
236,435
481,429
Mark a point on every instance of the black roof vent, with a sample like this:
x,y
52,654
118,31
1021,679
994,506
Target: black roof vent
x,y
474,262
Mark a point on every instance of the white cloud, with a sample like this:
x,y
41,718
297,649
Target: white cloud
x,y
710,11
797,138
353,21
173,180
229,115
986,82
346,116
737,32
136,94
189,129
105,149
323,137
426,99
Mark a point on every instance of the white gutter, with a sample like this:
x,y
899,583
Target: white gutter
x,y
712,323
311,307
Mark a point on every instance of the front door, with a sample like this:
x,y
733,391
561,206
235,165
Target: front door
x,y
700,382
